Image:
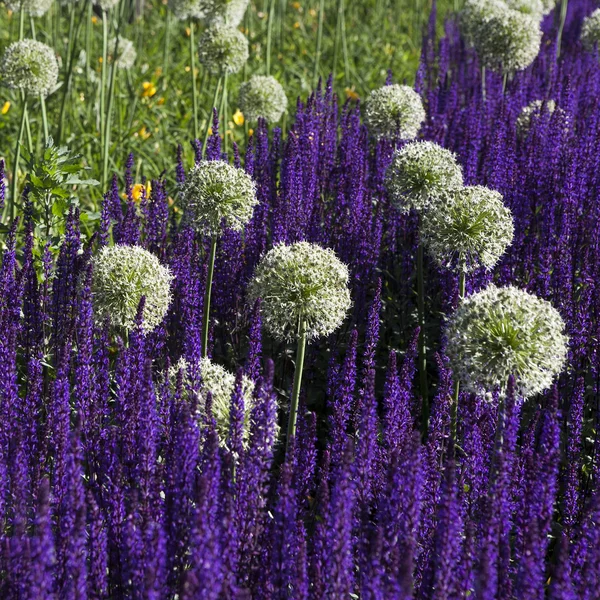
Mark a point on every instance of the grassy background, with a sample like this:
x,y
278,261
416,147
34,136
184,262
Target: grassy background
x,y
153,104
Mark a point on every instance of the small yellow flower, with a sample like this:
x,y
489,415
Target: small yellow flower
x,y
160,101
250,131
149,89
5,107
296,25
100,60
351,94
144,133
312,12
140,189
210,131
188,31
296,5
238,117
94,19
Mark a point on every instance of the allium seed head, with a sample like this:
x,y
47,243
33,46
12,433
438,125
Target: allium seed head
x,y
187,9
223,49
122,276
30,66
262,96
505,40
230,12
34,8
301,282
216,194
126,53
472,231
590,31
501,332
220,383
394,112
422,175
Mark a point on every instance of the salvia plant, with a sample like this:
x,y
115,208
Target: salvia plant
x,y
133,467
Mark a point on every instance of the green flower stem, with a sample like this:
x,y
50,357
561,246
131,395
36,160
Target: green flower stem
x,y
207,295
319,42
88,36
12,207
563,16
193,73
165,71
42,98
483,90
209,120
21,23
336,39
504,83
422,352
223,113
270,35
454,407
103,72
301,351
345,47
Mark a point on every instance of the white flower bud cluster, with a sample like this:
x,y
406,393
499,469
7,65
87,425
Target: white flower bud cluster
x,y
590,31
126,53
262,97
33,8
223,49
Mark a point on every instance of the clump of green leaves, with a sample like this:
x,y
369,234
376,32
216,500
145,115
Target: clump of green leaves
x,y
53,182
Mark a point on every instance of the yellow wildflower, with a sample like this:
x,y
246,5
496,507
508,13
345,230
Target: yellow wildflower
x,y
296,5
144,133
238,117
140,189
351,94
5,107
94,19
149,89
160,101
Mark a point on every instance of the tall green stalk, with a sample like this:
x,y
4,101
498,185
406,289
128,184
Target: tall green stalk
x,y
166,57
214,105
193,72
319,42
103,72
561,26
270,35
12,207
207,295
422,341
42,98
454,407
300,353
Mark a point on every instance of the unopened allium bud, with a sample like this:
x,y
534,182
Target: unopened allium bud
x,y
230,12
394,112
534,111
500,332
34,8
472,231
262,96
30,66
505,39
220,383
223,49
590,31
187,9
216,194
106,5
301,282
122,276
126,53
422,175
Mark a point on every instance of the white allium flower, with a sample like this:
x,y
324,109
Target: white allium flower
x,y
126,52
187,9
106,5
217,194
590,31
301,281
121,276
223,49
394,112
505,39
34,8
549,5
472,231
501,332
533,111
535,8
221,385
422,175
262,96
230,12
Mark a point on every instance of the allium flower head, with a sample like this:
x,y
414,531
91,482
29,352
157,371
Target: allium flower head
x,y
472,231
505,39
590,31
30,66
533,111
422,175
126,53
230,12
549,5
301,282
34,8
535,8
223,49
217,194
122,276
187,9
106,5
394,112
501,332
262,96
220,383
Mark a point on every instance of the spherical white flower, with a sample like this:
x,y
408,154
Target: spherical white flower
x,y
549,5
394,112
34,8
501,332
590,31
262,96
301,282
533,111
126,53
505,40
106,5
223,49
230,12
535,8
30,66
220,383
122,275
217,194
187,9
472,231
422,175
